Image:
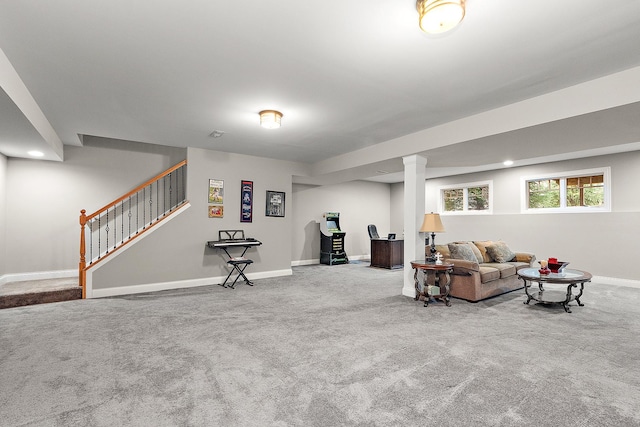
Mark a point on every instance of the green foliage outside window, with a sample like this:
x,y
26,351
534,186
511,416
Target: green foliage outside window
x,y
580,191
453,200
585,191
478,198
544,193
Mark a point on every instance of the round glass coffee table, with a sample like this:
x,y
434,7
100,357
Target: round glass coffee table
x,y
571,278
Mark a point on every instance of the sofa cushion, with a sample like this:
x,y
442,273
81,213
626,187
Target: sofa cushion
x,y
520,265
500,252
482,247
505,269
462,251
487,274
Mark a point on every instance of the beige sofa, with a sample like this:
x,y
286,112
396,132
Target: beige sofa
x,y
490,271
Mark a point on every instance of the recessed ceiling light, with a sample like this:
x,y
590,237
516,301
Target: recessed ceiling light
x,y
507,162
35,153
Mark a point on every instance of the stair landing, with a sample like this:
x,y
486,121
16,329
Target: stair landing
x,y
17,294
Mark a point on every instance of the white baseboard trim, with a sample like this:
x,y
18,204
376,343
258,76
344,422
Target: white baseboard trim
x,y
317,260
305,262
615,281
179,284
37,275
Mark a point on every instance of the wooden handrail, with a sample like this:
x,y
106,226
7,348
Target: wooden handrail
x,y
135,190
84,218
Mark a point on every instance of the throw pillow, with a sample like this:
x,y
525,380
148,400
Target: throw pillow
x,y
476,252
482,247
462,251
500,252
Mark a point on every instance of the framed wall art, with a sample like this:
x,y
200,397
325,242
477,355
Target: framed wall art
x,y
275,203
216,211
216,191
246,201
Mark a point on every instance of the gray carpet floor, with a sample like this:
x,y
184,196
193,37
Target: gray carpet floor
x,y
328,346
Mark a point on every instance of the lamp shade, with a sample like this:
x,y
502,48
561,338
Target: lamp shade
x,y
270,119
439,16
432,224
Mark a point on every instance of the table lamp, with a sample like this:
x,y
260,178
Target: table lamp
x,y
433,225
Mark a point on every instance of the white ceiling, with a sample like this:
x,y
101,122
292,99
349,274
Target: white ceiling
x,y
349,76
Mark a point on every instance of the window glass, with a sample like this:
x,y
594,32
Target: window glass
x,y
453,199
577,191
478,198
468,198
544,193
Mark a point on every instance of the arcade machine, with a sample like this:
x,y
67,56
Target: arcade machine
x,y
332,240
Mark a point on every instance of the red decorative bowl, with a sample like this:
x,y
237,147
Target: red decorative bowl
x,y
557,267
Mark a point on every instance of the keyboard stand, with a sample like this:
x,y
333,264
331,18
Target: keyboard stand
x,y
238,265
230,239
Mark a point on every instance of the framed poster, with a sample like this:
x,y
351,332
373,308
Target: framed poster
x,y
216,211
246,204
216,191
275,203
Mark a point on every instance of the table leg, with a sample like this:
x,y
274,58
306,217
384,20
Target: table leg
x,y
526,290
417,285
447,288
580,294
425,287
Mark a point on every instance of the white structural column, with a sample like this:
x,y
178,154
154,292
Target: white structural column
x,y
414,205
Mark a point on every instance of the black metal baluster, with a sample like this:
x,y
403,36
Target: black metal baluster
x,y
129,215
115,226
122,222
107,229
91,241
144,207
171,205
99,231
137,213
150,204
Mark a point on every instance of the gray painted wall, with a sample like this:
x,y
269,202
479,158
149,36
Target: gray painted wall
x,y
3,214
178,250
605,244
44,198
397,208
359,203
41,202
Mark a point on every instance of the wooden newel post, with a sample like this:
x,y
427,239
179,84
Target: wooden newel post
x,y
82,275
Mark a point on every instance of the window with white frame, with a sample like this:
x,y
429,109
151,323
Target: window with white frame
x,y
467,198
574,191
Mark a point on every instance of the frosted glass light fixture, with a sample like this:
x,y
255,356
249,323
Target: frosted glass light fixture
x,y
270,119
439,16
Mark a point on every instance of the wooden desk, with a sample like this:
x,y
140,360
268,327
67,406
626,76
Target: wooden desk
x,y
387,253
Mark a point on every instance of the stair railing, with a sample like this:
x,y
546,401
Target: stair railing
x,y
114,225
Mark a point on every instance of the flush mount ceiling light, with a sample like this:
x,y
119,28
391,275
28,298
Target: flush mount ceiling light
x,y
270,119
35,153
439,16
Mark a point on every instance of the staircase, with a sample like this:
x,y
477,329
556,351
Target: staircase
x,y
104,232
118,223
